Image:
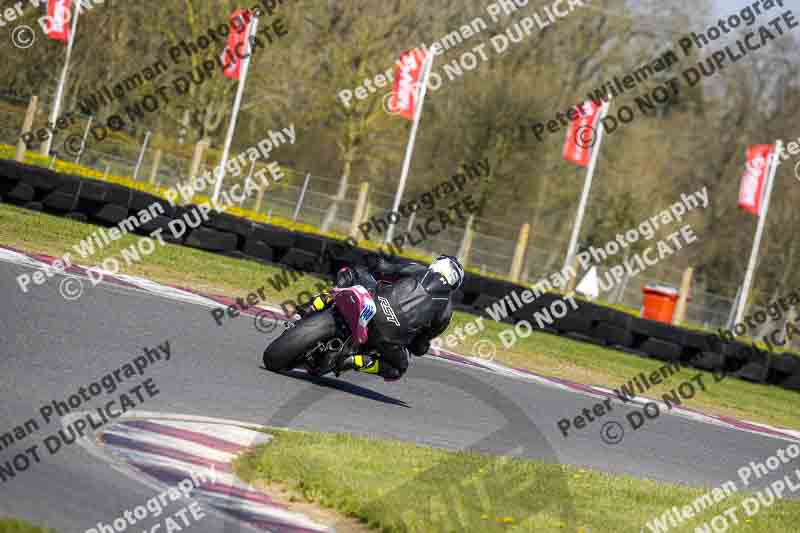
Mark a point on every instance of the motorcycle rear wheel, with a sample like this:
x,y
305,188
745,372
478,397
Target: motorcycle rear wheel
x,y
286,351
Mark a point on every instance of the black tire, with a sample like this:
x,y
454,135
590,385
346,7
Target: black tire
x,y
284,351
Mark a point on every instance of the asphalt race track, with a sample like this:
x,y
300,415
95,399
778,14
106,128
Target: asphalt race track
x,y
51,347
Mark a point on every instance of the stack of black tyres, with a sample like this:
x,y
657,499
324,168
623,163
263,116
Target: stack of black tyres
x,y
108,204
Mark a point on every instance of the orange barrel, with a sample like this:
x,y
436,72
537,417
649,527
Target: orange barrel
x,y
659,302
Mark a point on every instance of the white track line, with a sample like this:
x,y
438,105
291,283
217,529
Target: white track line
x,y
174,293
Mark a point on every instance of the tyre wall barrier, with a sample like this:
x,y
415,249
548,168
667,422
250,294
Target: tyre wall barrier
x,y
107,204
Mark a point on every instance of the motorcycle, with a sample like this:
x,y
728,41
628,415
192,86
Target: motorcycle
x,y
340,329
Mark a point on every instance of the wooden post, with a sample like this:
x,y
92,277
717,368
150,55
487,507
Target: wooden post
x,y
367,212
185,124
156,164
26,128
519,253
466,242
791,317
680,308
44,149
197,158
361,206
259,198
526,267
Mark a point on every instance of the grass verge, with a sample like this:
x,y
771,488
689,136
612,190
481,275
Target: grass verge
x,y
398,487
547,354
13,525
591,364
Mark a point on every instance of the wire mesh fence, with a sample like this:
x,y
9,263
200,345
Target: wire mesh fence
x,y
331,205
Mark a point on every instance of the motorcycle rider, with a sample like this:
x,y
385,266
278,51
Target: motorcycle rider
x,y
413,306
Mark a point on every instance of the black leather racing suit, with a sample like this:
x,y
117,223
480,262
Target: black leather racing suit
x,y
412,308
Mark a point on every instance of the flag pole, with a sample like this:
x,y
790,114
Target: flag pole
x,y
587,185
762,220
220,170
63,81
410,147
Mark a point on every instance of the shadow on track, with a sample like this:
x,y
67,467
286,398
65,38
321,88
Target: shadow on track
x,y
548,492
343,386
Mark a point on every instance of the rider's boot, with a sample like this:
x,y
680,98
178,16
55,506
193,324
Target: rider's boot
x,y
318,303
360,363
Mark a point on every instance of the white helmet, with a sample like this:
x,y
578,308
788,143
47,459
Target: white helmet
x,y
449,267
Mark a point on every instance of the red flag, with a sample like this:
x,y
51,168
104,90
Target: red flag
x,y
582,134
236,50
406,82
754,178
58,17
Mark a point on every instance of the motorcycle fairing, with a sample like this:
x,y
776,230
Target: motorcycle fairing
x,y
357,307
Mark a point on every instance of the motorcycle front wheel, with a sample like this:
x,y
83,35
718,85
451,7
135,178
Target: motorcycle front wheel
x,y
286,351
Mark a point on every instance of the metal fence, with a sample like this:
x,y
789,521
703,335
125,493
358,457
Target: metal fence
x,y
493,243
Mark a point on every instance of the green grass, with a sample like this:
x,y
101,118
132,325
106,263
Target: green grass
x,y
12,525
29,230
398,487
591,364
547,354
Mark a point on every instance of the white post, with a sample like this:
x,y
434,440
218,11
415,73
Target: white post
x,y
302,195
63,81
411,220
410,147
83,141
762,220
220,170
732,314
141,156
587,185
622,287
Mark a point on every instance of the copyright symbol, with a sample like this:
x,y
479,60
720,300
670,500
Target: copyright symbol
x,y
71,288
586,136
73,144
485,349
387,105
19,39
612,432
264,322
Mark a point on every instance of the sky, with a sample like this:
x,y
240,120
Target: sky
x,y
725,6
729,7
